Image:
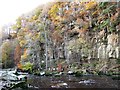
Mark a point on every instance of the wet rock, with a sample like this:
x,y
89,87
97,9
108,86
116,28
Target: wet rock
x,y
86,82
30,86
58,74
59,85
42,73
70,72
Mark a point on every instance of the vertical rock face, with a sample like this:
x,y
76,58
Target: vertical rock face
x,y
113,39
111,50
117,50
112,46
102,51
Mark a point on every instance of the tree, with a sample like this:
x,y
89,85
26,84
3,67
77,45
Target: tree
x,y
7,54
17,54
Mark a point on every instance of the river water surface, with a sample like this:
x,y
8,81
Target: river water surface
x,y
71,81
68,81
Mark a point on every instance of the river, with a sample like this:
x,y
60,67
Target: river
x,y
68,81
71,81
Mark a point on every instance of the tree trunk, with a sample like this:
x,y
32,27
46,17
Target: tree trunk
x,y
46,47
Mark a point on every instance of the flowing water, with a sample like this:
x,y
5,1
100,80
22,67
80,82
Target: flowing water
x,y
71,81
68,81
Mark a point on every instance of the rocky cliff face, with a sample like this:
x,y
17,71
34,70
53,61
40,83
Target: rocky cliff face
x,y
81,34
90,22
89,31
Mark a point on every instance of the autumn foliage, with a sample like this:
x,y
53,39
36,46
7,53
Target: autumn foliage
x,y
62,27
17,55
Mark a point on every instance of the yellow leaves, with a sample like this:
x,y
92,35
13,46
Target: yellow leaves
x,y
22,43
21,37
86,25
35,36
58,18
18,25
20,33
82,12
25,29
81,41
95,12
38,35
24,56
90,5
14,27
30,35
35,17
55,22
53,11
30,20
14,35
